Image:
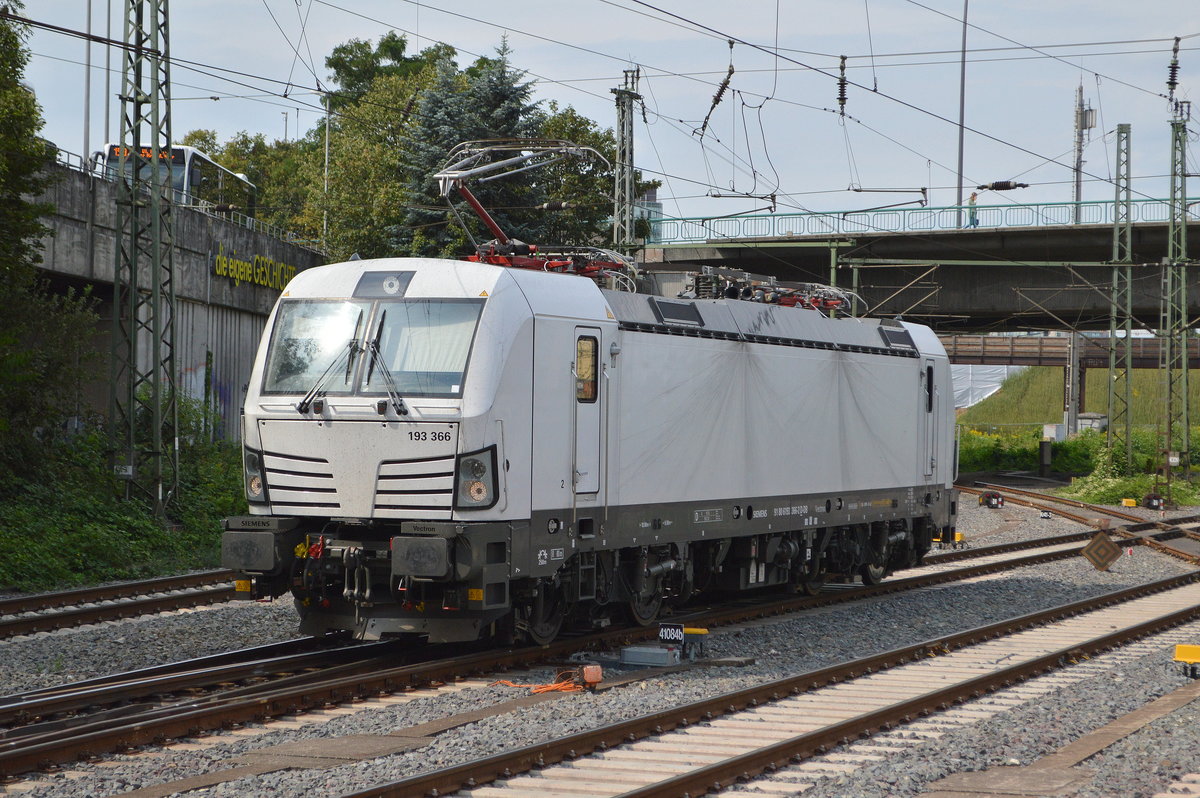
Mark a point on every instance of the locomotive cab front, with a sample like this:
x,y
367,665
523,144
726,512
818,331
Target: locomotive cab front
x,y
375,461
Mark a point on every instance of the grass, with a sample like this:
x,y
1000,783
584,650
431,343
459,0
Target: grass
x,y
1002,431
1034,396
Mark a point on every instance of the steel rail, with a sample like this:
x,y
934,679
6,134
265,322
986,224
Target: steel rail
x,y
506,765
30,709
1004,548
1133,531
84,595
47,622
297,645
380,675
1046,497
1046,503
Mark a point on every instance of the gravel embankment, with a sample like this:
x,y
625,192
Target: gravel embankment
x,y
42,660
780,649
1140,765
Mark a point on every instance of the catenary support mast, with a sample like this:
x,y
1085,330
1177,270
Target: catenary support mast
x,y
623,199
1173,322
1120,316
142,409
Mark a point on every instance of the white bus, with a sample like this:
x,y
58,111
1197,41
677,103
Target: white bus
x,y
195,178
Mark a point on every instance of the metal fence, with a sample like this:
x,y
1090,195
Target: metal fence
x,y
901,220
80,164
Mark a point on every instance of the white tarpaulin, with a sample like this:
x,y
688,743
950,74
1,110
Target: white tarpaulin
x,y
973,384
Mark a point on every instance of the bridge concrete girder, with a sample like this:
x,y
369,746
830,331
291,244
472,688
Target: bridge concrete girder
x,y
985,279
221,312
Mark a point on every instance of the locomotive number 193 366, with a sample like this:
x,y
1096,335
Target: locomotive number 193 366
x,y
421,435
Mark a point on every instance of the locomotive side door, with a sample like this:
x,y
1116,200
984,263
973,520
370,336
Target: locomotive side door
x,y
929,400
587,413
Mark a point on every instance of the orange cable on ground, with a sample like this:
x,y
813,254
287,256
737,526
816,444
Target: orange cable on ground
x,y
563,683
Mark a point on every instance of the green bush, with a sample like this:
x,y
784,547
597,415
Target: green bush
x,y
992,451
64,524
1077,455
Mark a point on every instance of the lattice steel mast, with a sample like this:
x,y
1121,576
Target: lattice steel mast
x,y
623,199
1174,322
1120,317
143,412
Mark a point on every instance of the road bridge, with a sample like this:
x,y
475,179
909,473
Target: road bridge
x,y
229,270
1021,267
1039,350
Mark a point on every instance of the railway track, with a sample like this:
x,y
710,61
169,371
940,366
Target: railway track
x,y
1179,537
47,726
50,611
711,744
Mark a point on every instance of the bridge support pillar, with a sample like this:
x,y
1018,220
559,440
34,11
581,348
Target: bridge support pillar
x,y
1074,374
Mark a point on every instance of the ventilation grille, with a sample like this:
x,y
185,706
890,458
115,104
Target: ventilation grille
x,y
300,483
415,488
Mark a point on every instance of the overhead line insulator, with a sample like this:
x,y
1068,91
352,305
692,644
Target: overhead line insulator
x,y
842,88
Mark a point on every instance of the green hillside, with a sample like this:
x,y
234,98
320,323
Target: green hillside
x,y
1035,396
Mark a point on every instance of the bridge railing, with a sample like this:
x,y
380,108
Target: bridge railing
x,y
78,163
899,220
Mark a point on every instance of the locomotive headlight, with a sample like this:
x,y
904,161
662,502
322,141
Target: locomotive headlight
x,y
476,480
256,487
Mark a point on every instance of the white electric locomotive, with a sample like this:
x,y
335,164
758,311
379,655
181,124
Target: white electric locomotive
x,y
450,450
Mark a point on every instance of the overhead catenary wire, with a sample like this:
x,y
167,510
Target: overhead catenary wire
x,y
295,50
564,83
595,52
850,66
1025,46
870,46
721,89
318,109
912,106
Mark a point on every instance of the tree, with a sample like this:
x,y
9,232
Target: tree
x,y
366,199
45,335
356,66
586,184
202,139
489,100
285,174
441,113
499,107
23,158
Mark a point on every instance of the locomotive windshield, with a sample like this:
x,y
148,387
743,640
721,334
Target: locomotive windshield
x,y
423,345
309,336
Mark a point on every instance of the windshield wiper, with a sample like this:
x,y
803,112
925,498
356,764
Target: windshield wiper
x,y
352,349
389,382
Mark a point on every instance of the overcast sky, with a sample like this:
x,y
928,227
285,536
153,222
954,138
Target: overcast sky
x,y
775,130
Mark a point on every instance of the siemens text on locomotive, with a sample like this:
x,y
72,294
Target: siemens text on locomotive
x,y
452,450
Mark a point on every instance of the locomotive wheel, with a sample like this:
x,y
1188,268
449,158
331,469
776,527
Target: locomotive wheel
x,y
872,574
810,579
544,617
811,585
644,611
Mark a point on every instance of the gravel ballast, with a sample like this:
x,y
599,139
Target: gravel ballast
x,y
780,648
